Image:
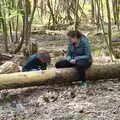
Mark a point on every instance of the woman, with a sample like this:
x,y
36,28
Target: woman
x,y
78,55
37,61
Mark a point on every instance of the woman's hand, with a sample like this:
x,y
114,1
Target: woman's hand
x,y
73,61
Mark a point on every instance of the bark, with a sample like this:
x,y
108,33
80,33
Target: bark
x,y
11,34
5,56
114,10
9,67
4,28
115,4
109,27
93,11
31,19
51,12
98,14
12,65
42,9
76,14
52,76
5,35
27,22
105,38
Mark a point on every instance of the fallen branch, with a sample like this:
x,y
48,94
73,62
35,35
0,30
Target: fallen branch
x,y
5,56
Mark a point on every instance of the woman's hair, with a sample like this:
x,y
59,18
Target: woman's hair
x,y
44,55
74,34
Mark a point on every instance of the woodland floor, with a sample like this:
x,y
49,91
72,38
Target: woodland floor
x,y
100,101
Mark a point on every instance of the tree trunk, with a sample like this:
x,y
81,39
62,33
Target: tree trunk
x,y
52,13
76,14
115,5
9,67
93,11
52,76
12,65
98,14
109,26
27,22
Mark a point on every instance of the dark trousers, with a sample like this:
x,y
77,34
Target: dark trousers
x,y
81,66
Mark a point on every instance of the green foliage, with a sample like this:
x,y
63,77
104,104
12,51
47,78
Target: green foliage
x,y
9,12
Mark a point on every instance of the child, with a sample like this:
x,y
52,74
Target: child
x,y
37,61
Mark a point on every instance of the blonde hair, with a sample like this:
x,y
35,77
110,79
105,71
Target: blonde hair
x,y
44,56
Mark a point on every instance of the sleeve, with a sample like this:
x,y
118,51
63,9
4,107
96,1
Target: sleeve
x,y
69,56
26,66
28,62
44,66
87,50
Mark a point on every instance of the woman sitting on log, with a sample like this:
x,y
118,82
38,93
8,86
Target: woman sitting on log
x,y
78,55
37,61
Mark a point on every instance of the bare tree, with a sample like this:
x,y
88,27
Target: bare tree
x,y
109,26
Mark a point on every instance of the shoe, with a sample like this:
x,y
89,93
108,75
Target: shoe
x,y
84,84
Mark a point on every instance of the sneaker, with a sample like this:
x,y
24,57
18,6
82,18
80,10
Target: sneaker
x,y
84,84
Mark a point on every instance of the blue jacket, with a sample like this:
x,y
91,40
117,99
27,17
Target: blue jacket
x,y
83,50
32,62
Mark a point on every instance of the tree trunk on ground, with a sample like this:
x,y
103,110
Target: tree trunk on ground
x,y
52,76
9,67
12,65
5,56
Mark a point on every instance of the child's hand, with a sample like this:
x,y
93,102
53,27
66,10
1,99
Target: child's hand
x,y
73,61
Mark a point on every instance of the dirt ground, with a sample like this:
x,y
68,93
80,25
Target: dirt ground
x,y
100,101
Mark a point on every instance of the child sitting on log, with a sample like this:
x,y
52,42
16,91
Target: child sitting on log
x,y
37,61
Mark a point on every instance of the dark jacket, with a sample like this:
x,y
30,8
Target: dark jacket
x,y
83,50
33,62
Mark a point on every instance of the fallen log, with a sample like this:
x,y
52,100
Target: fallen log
x,y
27,79
11,66
5,56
